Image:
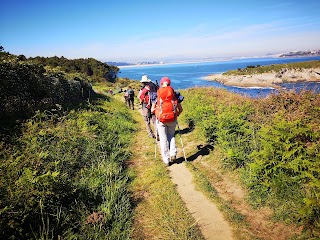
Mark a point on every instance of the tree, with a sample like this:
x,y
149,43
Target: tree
x,y
22,58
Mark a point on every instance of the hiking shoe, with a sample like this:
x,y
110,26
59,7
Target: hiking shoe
x,y
173,158
150,135
167,164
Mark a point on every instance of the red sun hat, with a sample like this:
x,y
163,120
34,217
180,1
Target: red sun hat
x,y
165,79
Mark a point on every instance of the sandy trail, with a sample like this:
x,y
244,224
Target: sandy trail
x,y
208,217
211,222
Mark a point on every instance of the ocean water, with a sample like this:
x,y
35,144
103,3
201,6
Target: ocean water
x,y
190,75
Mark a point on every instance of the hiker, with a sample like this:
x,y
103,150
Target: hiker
x,y
125,95
148,96
130,98
167,108
110,92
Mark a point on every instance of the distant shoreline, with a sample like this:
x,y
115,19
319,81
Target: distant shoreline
x,y
190,62
251,79
208,61
164,64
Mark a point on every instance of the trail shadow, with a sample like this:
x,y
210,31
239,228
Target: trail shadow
x,y
202,151
184,131
190,128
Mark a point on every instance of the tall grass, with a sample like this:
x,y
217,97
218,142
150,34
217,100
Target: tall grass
x,y
65,177
273,142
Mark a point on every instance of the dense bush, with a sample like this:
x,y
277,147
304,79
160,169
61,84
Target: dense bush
x,y
98,71
274,142
26,87
65,177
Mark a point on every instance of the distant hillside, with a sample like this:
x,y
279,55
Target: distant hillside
x,y
91,67
119,63
301,53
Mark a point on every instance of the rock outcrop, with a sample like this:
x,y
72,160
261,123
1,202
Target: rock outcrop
x,y
270,79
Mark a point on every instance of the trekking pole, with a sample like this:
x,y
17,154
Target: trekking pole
x,y
155,140
155,149
184,153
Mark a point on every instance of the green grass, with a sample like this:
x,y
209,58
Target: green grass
x,y
62,169
273,143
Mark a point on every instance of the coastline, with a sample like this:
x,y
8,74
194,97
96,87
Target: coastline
x,y
207,61
181,62
267,80
159,64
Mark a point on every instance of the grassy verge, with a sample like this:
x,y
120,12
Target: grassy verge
x,y
64,176
270,145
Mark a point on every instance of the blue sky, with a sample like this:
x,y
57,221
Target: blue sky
x,y
136,30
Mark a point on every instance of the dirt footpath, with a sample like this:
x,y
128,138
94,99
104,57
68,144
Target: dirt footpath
x,y
207,215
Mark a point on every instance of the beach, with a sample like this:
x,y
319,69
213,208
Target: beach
x,y
271,79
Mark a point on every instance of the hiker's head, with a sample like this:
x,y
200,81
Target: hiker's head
x,y
145,79
165,81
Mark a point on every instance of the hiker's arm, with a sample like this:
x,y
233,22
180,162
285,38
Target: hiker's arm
x,y
153,107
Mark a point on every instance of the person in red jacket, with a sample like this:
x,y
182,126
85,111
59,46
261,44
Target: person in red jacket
x,y
167,109
148,96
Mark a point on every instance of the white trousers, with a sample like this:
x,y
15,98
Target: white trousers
x,y
167,141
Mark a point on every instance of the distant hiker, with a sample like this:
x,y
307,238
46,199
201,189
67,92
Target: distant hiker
x,y
130,92
167,108
148,96
126,95
110,91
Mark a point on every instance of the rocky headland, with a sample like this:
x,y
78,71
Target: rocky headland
x,y
268,79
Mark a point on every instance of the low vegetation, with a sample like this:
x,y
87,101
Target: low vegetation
x,y
64,157
272,142
64,154
64,176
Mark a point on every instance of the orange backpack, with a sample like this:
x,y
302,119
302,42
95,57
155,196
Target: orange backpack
x,y
166,105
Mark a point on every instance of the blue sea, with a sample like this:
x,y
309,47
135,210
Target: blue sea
x,y
188,75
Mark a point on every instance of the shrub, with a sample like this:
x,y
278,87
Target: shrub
x,y
25,87
64,169
273,141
